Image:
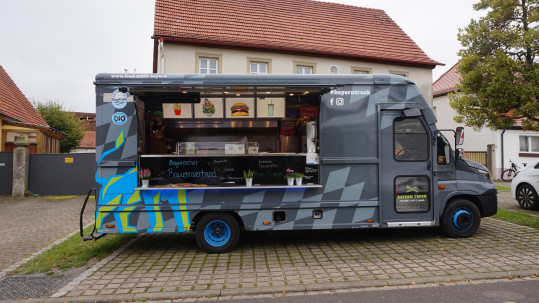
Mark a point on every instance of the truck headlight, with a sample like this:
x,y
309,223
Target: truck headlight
x,y
484,173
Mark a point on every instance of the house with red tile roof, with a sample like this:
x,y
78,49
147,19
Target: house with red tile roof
x,y
18,118
87,144
512,144
284,37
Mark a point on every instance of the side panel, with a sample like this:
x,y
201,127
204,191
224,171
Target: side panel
x,y
116,154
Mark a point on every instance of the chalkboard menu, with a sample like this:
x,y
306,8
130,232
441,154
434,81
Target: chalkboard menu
x,y
222,171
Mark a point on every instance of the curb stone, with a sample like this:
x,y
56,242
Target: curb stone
x,y
293,290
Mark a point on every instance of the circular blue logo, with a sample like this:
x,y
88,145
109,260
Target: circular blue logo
x,y
119,99
119,118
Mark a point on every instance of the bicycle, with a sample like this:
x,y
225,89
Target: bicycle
x,y
511,172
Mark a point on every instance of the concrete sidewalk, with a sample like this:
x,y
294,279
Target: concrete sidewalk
x,y
32,223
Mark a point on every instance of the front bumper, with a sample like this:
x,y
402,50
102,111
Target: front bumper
x,y
488,203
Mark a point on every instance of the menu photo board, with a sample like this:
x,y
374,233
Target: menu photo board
x,y
209,108
270,107
177,111
240,108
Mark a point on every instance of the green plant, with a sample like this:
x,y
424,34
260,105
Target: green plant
x,y
248,174
289,174
298,175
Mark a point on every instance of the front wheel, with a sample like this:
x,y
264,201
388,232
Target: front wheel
x,y
508,175
217,233
461,219
527,197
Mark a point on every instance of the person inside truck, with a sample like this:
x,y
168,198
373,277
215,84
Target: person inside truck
x,y
157,143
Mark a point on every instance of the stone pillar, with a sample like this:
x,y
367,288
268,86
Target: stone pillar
x,y
21,161
491,161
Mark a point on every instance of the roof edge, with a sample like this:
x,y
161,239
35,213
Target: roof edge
x,y
176,40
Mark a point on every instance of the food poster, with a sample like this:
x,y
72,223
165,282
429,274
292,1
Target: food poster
x,y
270,107
240,108
177,111
209,108
412,194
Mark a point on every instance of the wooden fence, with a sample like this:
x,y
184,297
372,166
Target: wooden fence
x,y
476,156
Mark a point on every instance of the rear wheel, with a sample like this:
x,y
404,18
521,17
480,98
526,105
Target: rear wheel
x,y
527,197
217,233
461,219
508,175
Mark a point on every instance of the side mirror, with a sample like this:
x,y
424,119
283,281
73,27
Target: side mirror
x,y
459,136
460,153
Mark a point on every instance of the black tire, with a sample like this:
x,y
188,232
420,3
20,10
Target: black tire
x,y
508,175
461,219
217,233
527,197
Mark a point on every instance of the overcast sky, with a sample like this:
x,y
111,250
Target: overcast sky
x,y
53,49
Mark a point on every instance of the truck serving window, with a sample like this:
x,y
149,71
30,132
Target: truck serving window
x,y
410,140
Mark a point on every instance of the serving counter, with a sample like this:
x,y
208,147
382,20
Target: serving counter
x,y
226,171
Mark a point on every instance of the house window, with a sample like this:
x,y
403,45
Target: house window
x,y
529,145
359,70
399,73
208,65
258,67
304,70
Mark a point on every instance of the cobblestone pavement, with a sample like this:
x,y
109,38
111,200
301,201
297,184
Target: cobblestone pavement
x,y
163,264
30,224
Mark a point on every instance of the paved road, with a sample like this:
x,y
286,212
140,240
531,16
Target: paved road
x,y
520,291
29,224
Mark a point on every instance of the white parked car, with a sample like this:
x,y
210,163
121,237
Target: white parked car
x,y
525,186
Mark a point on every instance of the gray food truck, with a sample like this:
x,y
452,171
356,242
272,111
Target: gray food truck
x,y
217,154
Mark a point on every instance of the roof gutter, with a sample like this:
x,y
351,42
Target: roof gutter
x,y
281,49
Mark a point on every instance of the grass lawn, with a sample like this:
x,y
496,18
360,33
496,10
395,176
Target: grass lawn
x,y
517,218
74,253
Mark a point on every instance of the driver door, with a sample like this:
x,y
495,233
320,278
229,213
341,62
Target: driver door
x,y
405,170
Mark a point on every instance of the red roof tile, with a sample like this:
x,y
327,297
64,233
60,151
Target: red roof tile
x,y
15,105
447,83
293,25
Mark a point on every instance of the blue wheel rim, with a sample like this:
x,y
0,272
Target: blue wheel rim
x,y
462,219
217,233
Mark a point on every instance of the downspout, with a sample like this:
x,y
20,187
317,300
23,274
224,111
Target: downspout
x,y
162,55
503,132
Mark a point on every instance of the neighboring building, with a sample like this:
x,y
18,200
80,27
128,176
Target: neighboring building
x,y
87,144
512,144
19,118
284,37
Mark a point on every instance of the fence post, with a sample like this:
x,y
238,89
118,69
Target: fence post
x,y
491,160
21,161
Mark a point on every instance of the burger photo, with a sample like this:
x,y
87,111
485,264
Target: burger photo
x,y
239,109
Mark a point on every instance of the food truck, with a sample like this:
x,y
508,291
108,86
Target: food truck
x,y
217,154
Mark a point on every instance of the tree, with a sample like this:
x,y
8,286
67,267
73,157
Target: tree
x,y
54,114
499,66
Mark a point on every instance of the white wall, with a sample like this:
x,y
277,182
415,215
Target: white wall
x,y
473,140
511,148
478,140
182,59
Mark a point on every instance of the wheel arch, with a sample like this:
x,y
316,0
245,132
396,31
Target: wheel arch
x,y
472,198
201,214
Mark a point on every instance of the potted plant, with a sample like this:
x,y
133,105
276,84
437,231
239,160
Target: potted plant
x,y
299,178
289,176
248,175
145,175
